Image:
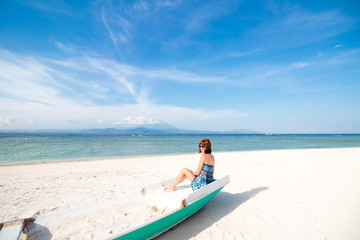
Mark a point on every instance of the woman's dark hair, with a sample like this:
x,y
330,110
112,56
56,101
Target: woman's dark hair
x,y
207,144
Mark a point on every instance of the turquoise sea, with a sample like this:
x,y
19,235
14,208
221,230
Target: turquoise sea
x,y
26,147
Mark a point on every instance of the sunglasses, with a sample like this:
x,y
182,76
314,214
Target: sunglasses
x,y
202,146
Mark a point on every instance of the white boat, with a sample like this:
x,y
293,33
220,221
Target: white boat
x,y
166,210
14,229
181,204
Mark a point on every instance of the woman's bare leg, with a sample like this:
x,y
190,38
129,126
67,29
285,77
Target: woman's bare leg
x,y
183,174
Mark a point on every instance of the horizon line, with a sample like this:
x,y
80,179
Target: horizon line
x,y
188,132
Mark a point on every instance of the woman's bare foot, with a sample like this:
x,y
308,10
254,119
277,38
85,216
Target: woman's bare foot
x,y
169,188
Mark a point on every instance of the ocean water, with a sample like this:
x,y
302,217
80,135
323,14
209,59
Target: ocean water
x,y
26,148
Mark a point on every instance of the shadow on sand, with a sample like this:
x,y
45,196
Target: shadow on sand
x,y
38,232
217,208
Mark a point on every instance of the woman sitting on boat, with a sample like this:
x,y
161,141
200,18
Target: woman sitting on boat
x,y
204,173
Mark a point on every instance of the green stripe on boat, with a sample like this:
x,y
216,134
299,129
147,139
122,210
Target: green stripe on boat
x,y
154,229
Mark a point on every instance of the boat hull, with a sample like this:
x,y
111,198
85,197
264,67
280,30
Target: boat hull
x,y
161,225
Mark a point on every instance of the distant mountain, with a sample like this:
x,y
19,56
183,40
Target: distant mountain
x,y
131,131
162,125
145,129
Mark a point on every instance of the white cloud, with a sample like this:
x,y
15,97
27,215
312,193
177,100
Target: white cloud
x,y
64,47
342,57
32,123
168,3
101,122
85,79
116,71
295,26
118,28
286,68
43,80
68,114
298,65
141,6
243,54
65,94
24,78
59,6
140,120
5,121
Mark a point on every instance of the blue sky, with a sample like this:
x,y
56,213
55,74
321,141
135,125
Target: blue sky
x,y
268,66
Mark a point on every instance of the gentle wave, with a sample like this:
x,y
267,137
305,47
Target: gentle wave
x,y
25,148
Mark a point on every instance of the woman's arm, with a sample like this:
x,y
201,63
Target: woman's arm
x,y
213,164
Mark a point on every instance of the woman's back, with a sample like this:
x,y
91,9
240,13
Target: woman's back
x,y
208,169
208,159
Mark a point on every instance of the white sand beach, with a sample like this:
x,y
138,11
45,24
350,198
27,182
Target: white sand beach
x,y
277,194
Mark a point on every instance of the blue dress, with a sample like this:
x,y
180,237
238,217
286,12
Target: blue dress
x,y
205,177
